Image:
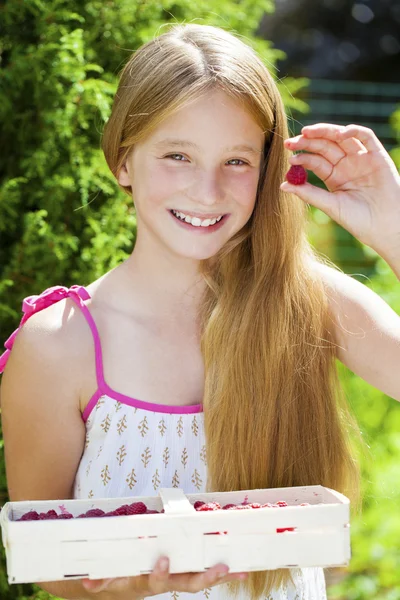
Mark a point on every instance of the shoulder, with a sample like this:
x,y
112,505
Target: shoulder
x,y
55,339
354,307
341,291
339,286
56,328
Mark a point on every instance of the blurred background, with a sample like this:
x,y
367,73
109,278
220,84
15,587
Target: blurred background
x,y
335,61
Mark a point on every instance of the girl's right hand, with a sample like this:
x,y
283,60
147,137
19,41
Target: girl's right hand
x,y
161,581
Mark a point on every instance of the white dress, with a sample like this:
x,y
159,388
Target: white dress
x,y
133,448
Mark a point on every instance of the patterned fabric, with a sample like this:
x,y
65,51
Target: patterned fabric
x,y
133,448
133,451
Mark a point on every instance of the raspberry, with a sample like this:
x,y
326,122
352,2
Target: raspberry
x,y
281,530
51,514
228,506
112,513
281,503
297,175
122,510
254,505
198,503
137,508
65,516
209,506
95,512
32,515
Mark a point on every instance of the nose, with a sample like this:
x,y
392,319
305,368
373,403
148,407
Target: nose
x,y
208,189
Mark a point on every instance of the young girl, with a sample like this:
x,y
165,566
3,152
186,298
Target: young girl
x,y
206,360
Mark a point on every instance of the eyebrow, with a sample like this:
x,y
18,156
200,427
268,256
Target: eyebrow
x,y
180,143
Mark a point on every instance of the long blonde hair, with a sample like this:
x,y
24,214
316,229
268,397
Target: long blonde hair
x,y
274,411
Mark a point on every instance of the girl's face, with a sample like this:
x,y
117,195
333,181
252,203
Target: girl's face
x,y
204,162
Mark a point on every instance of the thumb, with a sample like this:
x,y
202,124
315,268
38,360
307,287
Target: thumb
x,y
96,585
311,194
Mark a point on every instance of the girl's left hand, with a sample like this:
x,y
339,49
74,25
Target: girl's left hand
x,y
363,182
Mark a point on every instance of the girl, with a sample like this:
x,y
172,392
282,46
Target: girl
x,y
206,360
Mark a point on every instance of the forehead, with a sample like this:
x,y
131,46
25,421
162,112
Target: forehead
x,y
215,117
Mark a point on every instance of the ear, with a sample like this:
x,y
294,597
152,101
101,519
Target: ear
x,y
123,176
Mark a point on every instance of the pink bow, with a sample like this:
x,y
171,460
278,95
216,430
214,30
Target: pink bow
x,y
34,304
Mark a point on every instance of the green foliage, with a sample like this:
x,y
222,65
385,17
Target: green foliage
x,y
60,61
374,570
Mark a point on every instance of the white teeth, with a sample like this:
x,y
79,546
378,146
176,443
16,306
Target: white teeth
x,y
195,221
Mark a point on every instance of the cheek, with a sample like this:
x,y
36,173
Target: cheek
x,y
245,190
154,186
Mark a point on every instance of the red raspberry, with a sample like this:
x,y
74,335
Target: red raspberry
x,y
111,513
122,510
95,512
65,516
281,503
198,503
82,516
51,514
280,530
227,506
137,508
209,506
254,505
32,515
297,175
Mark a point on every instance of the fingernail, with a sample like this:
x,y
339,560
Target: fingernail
x,y
164,564
222,574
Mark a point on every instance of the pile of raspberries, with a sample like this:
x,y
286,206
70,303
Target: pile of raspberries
x,y
139,508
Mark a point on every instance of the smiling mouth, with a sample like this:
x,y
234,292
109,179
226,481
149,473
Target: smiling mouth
x,y
199,220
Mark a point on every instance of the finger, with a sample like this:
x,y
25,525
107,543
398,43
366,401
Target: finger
x,y
314,162
158,578
329,149
325,201
332,132
364,135
96,585
196,582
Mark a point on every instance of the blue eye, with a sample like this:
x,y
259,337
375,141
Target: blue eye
x,y
233,159
240,160
171,155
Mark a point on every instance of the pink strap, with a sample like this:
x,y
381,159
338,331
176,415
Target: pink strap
x,y
34,304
